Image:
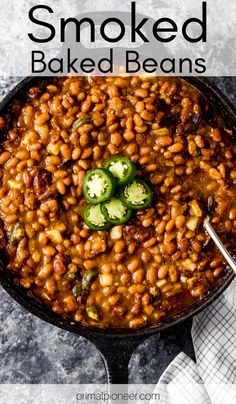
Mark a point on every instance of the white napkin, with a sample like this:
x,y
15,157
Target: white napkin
x,y
212,379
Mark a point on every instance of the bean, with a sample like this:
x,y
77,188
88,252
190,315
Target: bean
x,y
76,153
141,93
216,262
173,273
116,139
199,141
106,268
144,160
151,168
131,248
59,267
217,272
87,153
113,300
138,276
138,120
215,174
205,166
228,225
149,243
116,103
42,119
170,225
65,151
163,271
70,303
113,128
146,115
137,322
216,135
197,291
180,221
133,264
130,149
49,251
212,186
4,157
61,187
232,214
125,278
152,275
119,246
140,106
164,141
136,289
86,104
11,163
146,256
129,135
160,228
176,148
209,276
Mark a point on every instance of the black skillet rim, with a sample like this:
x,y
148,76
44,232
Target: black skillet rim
x,y
19,294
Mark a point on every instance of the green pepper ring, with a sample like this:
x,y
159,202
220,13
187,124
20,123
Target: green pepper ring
x,y
131,169
88,222
117,221
111,184
129,204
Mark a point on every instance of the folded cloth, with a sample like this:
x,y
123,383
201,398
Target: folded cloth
x,y
212,379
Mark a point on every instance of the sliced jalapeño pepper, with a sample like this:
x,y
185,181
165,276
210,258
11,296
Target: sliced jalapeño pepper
x,y
98,185
115,211
137,195
121,168
94,218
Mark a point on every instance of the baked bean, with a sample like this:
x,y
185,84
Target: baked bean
x,y
65,151
146,115
176,148
4,157
61,187
215,134
116,103
116,139
232,214
119,246
141,93
152,275
173,273
131,149
164,141
136,289
137,322
199,141
215,174
138,276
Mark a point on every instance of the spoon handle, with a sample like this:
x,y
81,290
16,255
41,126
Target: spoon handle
x,y
219,244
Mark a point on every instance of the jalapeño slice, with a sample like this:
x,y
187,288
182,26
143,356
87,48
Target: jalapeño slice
x,y
94,218
121,168
98,185
115,211
137,195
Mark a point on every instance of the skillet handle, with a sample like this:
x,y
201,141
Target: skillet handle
x,y
116,354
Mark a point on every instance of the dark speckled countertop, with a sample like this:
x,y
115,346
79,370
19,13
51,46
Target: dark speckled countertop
x,y
33,351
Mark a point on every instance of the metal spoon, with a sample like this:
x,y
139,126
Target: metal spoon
x,y
208,227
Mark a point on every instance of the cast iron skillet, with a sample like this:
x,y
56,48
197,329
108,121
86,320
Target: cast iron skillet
x,y
117,345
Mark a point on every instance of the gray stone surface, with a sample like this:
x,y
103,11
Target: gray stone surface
x,y
33,351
